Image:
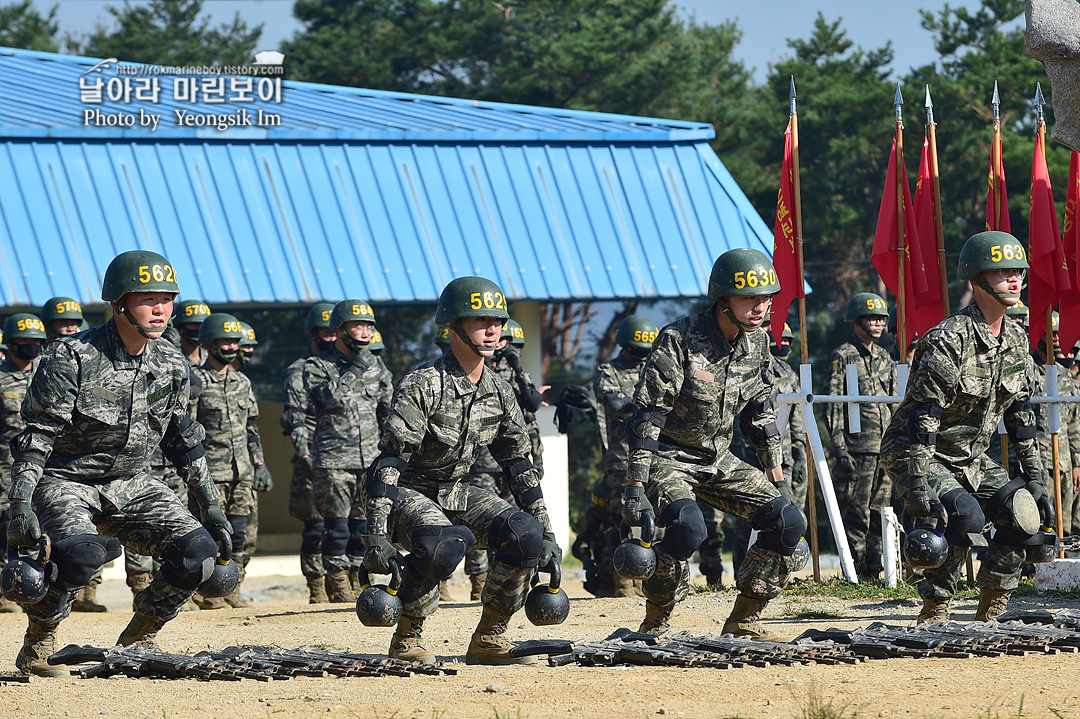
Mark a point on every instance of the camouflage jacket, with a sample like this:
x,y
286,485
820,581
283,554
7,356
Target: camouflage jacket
x,y
159,466
701,383
93,412
227,410
974,377
526,394
877,377
298,417
788,419
13,385
1069,433
438,422
614,387
350,398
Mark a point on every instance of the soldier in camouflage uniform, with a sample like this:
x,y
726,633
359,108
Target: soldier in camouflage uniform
x,y
24,335
263,481
969,372
1070,503
861,486
187,320
350,391
614,388
703,372
227,410
62,317
417,494
376,346
596,541
102,401
298,421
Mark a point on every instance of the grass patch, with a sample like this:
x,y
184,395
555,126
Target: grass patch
x,y
509,713
804,613
1027,589
818,707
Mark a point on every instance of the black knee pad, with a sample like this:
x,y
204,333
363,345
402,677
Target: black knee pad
x,y
684,528
780,525
437,551
239,524
357,529
516,538
335,536
311,537
965,517
190,560
77,557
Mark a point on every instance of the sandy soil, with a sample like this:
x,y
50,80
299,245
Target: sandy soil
x,y
1034,686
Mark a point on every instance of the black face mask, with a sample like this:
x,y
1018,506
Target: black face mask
x,y
637,353
28,352
191,336
223,356
245,357
324,344
1066,362
780,351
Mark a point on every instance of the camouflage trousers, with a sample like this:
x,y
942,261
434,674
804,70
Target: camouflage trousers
x,y
1000,568
742,492
710,553
601,539
140,511
476,560
135,563
1070,506
238,501
861,493
506,585
301,496
337,498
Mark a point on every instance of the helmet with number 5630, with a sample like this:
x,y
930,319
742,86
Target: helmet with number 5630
x,y
991,250
470,297
742,272
138,271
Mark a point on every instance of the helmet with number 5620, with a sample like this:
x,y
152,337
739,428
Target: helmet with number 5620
x,y
742,272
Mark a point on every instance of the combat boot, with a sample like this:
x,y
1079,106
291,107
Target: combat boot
x,y
209,602
623,587
38,643
354,581
339,588
444,591
745,619
235,600
477,583
87,601
316,587
992,604
407,643
138,582
657,619
714,581
935,610
141,630
489,645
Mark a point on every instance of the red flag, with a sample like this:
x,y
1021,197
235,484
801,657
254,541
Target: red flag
x,y
1048,277
1069,329
930,307
785,253
885,256
996,193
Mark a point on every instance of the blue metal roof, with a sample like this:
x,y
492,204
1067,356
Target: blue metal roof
x,y
562,207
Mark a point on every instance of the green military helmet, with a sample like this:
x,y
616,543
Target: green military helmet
x,y
991,250
138,271
637,331
470,297
318,316
787,333
742,272
61,308
862,304
351,310
442,336
190,312
1021,310
23,325
220,326
600,492
376,346
513,331
248,338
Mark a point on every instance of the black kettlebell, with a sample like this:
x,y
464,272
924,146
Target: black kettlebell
x,y
378,605
1043,547
635,558
925,546
549,604
25,580
226,575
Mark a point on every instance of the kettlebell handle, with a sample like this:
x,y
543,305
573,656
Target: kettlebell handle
x,y
43,549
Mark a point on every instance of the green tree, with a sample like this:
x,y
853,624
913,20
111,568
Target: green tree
x,y
170,32
22,26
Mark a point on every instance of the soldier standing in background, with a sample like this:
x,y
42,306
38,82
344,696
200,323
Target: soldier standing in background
x,y
614,388
861,487
298,421
263,481
184,332
350,391
24,335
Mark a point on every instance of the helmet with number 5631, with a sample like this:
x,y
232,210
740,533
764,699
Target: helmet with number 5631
x,y
742,272
470,297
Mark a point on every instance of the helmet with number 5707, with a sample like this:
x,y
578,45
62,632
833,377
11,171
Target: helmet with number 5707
x,y
742,272
470,297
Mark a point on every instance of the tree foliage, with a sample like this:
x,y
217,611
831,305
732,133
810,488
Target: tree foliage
x,y
22,26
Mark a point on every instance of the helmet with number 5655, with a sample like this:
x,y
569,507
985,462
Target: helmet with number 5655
x,y
470,297
742,272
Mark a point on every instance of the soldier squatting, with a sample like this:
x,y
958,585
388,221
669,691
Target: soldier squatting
x,y
114,440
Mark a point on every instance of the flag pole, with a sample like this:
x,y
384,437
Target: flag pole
x,y
995,157
793,118
931,132
901,179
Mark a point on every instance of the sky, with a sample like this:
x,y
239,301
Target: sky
x,y
766,24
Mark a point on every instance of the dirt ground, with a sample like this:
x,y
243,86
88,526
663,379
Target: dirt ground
x,y
1034,686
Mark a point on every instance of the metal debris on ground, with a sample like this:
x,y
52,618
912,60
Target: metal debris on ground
x,y
236,663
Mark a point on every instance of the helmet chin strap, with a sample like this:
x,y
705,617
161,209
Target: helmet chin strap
x,y
745,327
122,309
980,282
354,344
465,338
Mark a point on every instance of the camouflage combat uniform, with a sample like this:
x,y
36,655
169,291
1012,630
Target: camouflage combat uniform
x,y
614,387
13,385
349,396
94,414
1068,436
976,378
596,542
1070,423
438,422
863,490
298,421
701,383
529,399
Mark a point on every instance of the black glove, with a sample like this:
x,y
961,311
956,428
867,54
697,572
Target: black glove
x,y
844,460
513,358
635,504
24,530
378,553
549,551
264,481
917,499
213,515
785,491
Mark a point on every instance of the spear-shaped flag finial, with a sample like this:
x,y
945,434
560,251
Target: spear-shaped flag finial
x,y
1039,102
791,96
898,102
929,105
996,102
